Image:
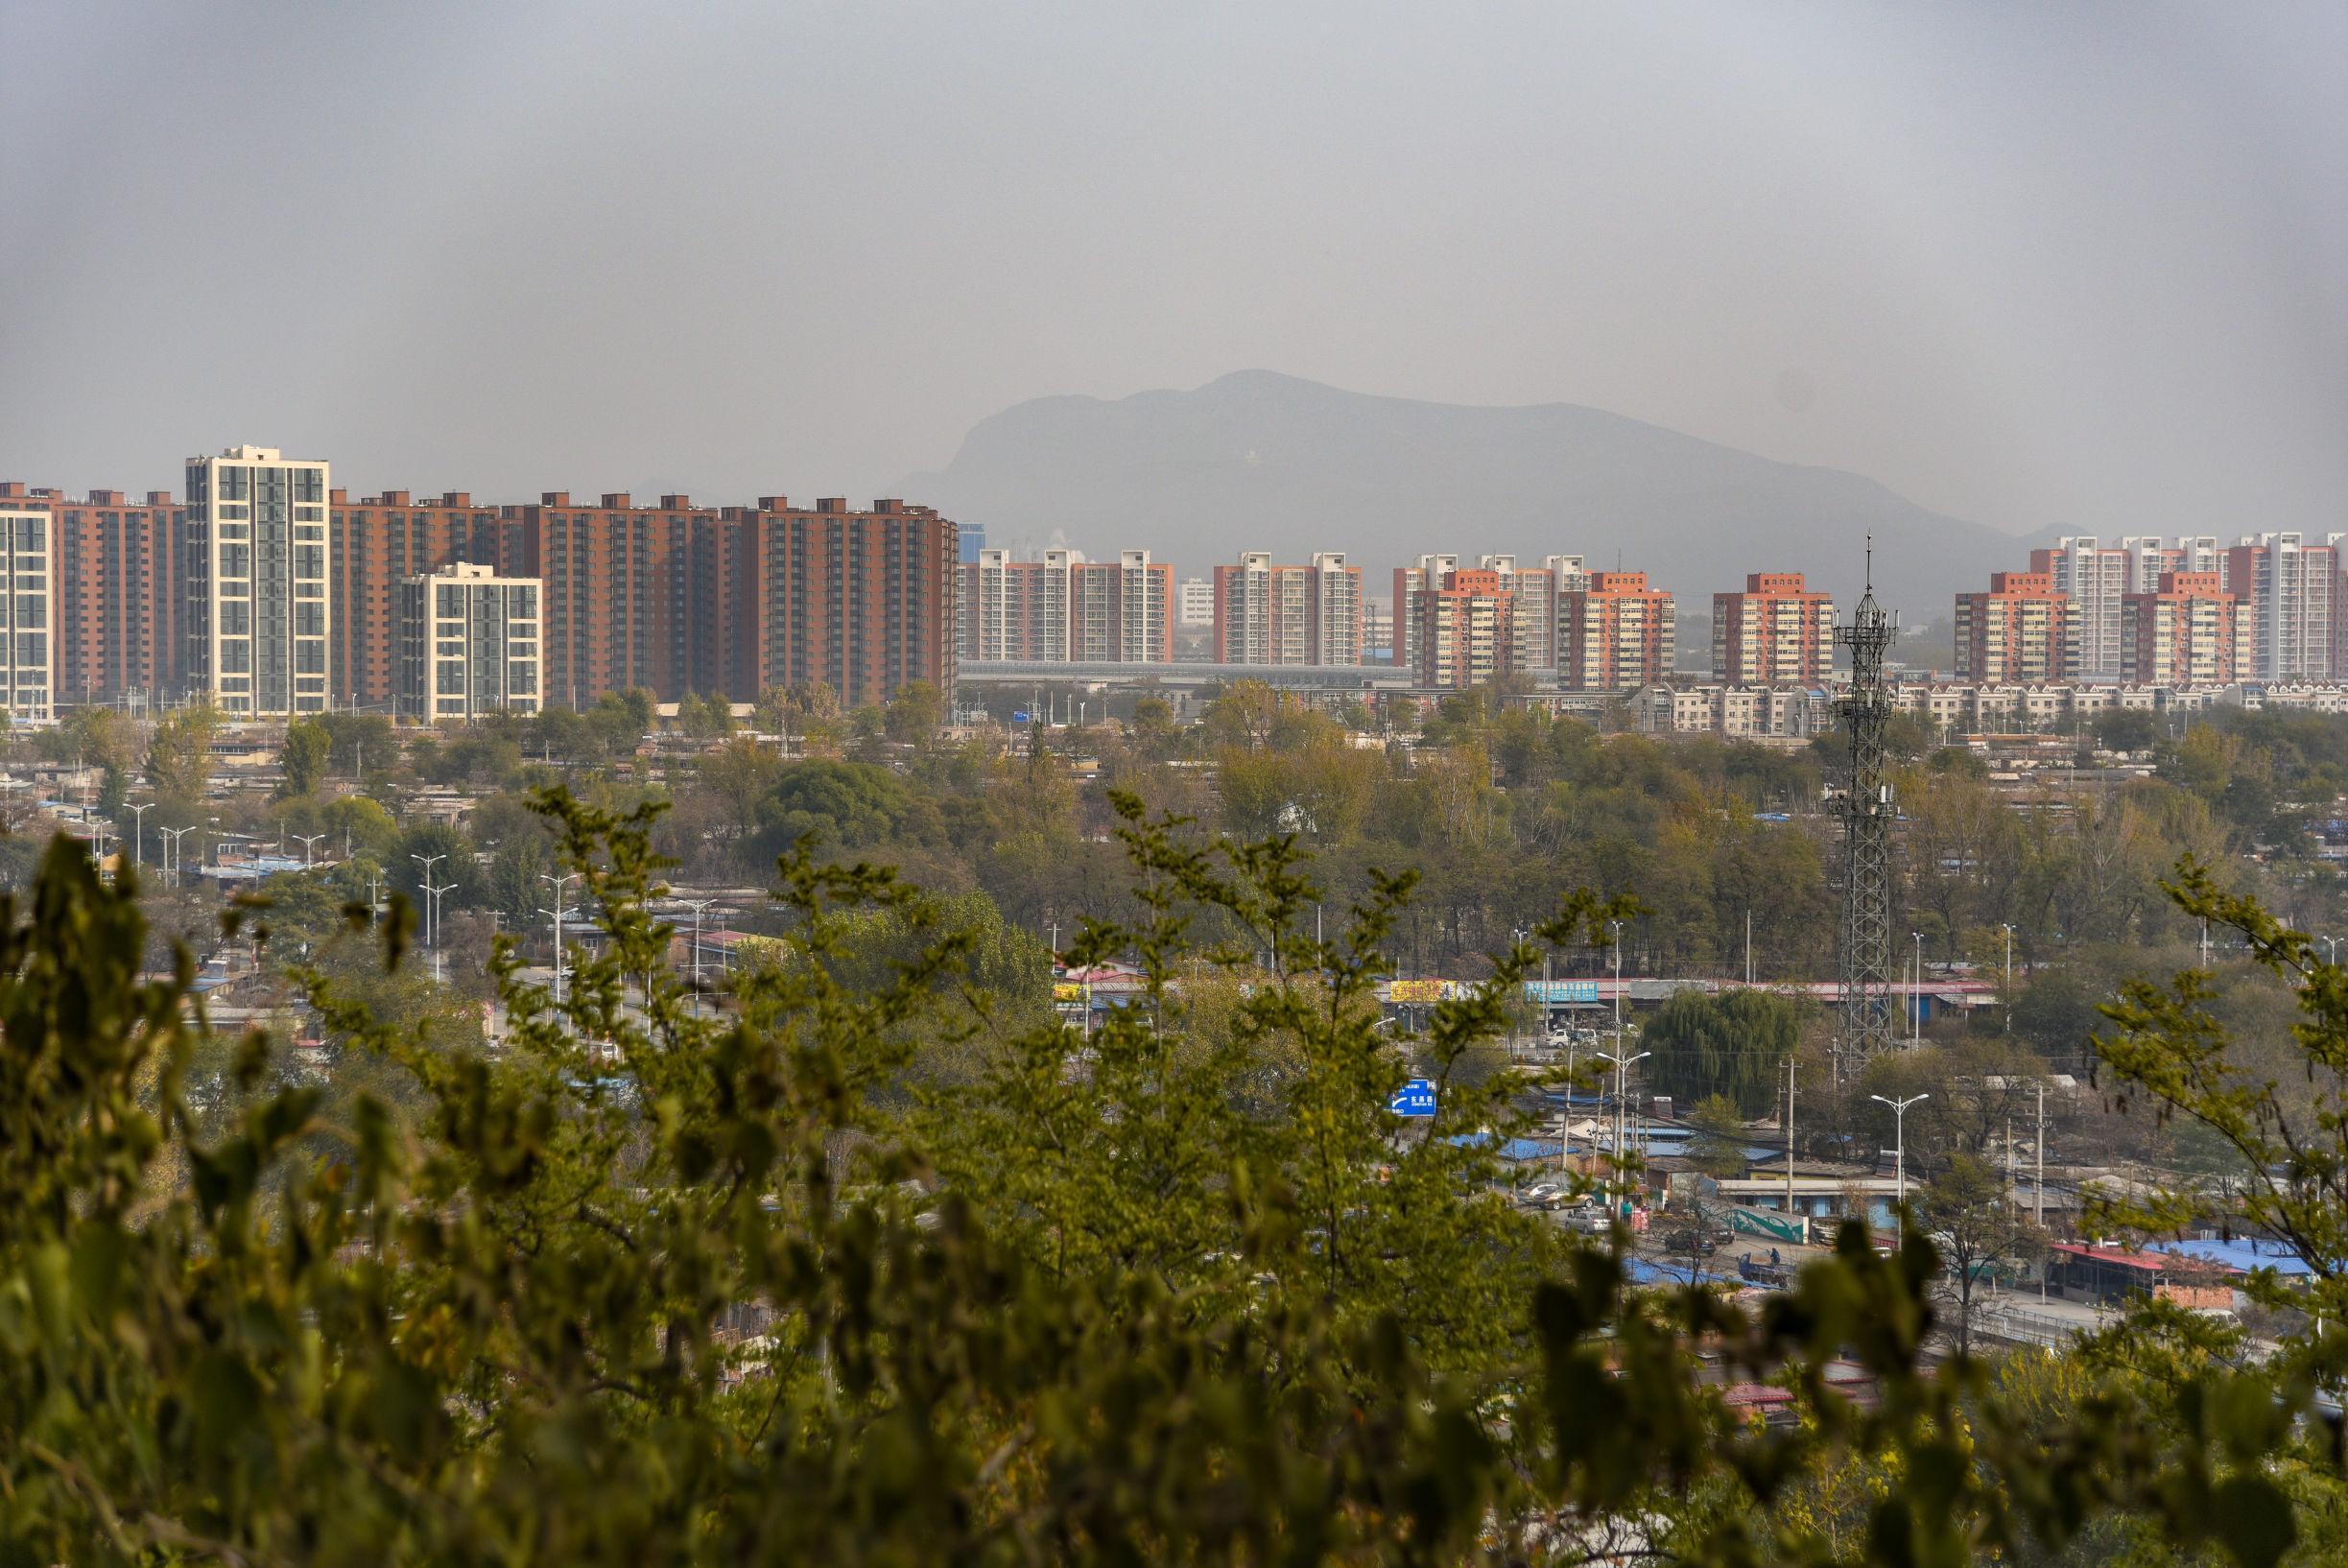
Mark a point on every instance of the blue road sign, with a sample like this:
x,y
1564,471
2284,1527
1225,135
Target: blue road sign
x,y
1415,1098
1019,717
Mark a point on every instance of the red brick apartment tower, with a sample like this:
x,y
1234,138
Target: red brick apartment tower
x,y
115,600
2017,633
2193,632
1616,634
1466,630
860,602
375,543
1776,632
617,594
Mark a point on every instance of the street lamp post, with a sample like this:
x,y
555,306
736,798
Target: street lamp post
x,y
560,883
1899,1144
309,848
1622,1068
173,857
696,905
432,916
138,843
425,880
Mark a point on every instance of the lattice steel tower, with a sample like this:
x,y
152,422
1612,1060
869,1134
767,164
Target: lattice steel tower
x,y
1866,810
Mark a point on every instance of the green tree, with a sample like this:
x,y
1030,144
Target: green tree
x,y
914,714
179,755
361,741
301,761
1733,1045
649,1286
1969,1213
706,718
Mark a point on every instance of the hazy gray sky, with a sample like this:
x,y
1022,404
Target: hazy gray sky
x,y
2079,265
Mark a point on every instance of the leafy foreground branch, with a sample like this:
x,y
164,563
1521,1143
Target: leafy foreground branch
x,y
650,1287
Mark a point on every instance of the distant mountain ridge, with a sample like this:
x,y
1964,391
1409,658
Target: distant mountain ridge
x,y
1260,460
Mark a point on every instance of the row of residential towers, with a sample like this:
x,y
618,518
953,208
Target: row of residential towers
x,y
272,594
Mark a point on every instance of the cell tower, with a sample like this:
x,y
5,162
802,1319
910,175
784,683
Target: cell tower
x,y
1866,810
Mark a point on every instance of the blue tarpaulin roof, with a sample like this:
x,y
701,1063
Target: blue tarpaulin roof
x,y
1640,1272
2247,1254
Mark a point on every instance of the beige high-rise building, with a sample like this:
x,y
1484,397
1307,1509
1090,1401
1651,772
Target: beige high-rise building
x,y
28,642
1120,611
1266,614
469,643
1015,609
259,601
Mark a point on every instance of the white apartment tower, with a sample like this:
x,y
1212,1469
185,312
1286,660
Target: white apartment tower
x,y
2285,587
259,603
1119,613
27,645
1017,610
469,643
1335,630
2095,577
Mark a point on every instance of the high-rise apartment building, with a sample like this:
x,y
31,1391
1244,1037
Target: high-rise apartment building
x,y
2018,634
1615,634
1120,611
2190,631
1332,609
1466,630
2097,577
2287,588
113,597
1426,572
862,602
1271,614
259,601
381,542
1775,632
28,684
632,596
469,643
1016,609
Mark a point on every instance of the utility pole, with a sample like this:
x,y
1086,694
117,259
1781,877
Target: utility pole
x,y
1915,1022
1748,947
1790,1138
2038,1208
2039,1195
2009,978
